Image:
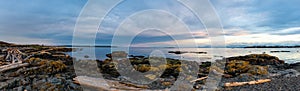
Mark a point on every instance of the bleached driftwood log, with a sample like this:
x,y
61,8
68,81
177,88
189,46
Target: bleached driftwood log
x,y
259,81
14,55
12,66
199,79
232,84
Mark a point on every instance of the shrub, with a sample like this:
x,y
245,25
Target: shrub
x,y
55,66
237,67
143,68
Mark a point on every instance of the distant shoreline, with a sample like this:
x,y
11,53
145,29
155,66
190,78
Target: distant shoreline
x,y
273,46
6,44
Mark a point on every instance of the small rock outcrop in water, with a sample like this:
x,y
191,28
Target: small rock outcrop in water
x,y
182,52
278,51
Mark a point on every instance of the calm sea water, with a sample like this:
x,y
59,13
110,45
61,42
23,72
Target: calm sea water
x,y
212,54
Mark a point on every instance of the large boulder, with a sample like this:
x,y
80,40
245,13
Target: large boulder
x,y
117,54
286,73
258,59
295,66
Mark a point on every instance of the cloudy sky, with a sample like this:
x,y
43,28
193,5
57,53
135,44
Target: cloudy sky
x,y
245,22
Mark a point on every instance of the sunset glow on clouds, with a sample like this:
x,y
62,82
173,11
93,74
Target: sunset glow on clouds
x,y
244,21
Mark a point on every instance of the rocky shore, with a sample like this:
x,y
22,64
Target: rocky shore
x,y
246,68
284,77
51,69
48,69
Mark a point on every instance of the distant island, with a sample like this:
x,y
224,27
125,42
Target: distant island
x,y
297,46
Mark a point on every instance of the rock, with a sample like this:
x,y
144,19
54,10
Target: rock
x,y
286,73
28,88
295,66
258,70
73,86
279,51
156,85
119,54
108,55
246,77
61,49
2,78
177,52
86,56
151,76
55,81
137,57
236,67
167,83
258,59
123,78
21,88
199,52
14,74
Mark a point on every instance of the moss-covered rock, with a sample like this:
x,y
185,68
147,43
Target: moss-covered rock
x,y
172,68
47,66
258,59
237,67
258,70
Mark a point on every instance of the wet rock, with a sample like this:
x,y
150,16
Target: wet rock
x,y
86,56
137,57
108,55
278,51
199,52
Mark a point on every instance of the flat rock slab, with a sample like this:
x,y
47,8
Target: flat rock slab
x,y
104,84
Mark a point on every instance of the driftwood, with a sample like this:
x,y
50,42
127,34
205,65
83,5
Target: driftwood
x,y
12,66
103,84
14,55
232,84
134,85
199,79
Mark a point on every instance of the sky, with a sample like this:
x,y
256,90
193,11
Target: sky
x,y
244,22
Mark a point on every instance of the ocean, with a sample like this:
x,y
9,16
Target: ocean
x,y
289,55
